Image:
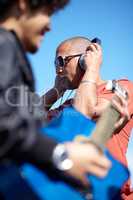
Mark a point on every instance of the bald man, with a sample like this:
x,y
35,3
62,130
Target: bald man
x,y
71,63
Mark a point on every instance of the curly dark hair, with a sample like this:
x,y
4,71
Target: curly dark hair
x,y
52,5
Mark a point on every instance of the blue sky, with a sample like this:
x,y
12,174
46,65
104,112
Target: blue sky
x,y
111,21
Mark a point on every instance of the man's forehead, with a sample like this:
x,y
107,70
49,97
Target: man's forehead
x,y
72,48
64,49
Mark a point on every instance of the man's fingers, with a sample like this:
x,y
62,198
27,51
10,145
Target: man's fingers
x,y
123,109
98,47
99,165
102,162
121,123
97,171
117,105
99,158
87,159
92,48
122,99
80,174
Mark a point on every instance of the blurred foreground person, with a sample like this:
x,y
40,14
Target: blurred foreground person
x,y
23,23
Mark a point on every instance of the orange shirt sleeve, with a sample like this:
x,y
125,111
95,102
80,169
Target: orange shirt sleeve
x,y
118,144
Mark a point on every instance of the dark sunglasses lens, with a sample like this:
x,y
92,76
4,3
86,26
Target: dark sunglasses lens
x,y
59,62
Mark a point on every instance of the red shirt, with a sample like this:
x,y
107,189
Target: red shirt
x,y
118,143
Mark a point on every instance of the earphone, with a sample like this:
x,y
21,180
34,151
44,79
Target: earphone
x,y
81,62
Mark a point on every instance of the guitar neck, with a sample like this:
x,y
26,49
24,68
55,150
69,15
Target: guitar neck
x,y
105,126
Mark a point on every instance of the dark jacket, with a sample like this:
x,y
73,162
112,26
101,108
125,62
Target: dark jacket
x,y
20,139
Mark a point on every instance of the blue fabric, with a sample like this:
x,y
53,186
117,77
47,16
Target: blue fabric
x,y
68,125
13,186
47,189
109,187
65,127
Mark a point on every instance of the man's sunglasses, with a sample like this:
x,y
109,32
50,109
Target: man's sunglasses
x,y
61,62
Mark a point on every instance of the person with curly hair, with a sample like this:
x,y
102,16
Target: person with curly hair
x,y
23,24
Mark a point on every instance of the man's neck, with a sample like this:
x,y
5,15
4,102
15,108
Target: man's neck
x,y
12,24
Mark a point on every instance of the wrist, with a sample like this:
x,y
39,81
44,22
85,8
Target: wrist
x,y
61,158
90,81
91,75
92,70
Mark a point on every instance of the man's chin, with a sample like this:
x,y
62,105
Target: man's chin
x,y
33,49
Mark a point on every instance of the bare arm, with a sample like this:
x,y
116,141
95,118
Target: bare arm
x,y
86,100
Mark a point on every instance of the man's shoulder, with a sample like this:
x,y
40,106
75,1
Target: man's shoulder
x,y
127,84
125,81
6,39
